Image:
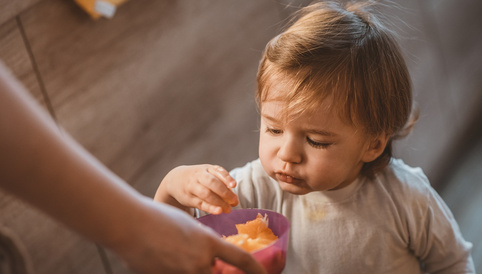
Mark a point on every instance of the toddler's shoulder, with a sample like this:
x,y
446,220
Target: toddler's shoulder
x,y
406,190
402,179
406,173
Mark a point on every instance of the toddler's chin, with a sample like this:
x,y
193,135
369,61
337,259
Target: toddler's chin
x,y
294,189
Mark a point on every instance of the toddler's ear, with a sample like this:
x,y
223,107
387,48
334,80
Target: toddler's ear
x,y
375,148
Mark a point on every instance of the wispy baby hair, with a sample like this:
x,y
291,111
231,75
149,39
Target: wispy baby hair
x,y
345,53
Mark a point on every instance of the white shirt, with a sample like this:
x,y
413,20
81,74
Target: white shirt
x,y
395,223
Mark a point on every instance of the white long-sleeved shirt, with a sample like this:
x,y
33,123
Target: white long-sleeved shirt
x,y
396,223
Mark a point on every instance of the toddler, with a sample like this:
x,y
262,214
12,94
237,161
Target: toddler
x,y
333,93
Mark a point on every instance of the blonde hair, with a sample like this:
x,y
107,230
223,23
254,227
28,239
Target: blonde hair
x,y
346,54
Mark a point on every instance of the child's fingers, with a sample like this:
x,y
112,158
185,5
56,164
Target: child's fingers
x,y
220,186
207,200
210,208
223,175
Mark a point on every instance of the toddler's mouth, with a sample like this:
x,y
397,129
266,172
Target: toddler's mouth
x,y
283,177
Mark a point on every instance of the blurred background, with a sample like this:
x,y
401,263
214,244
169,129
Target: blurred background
x,y
165,83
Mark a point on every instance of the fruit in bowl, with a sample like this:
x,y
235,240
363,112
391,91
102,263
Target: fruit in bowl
x,y
264,233
253,235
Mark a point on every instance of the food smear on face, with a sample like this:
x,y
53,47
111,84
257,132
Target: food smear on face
x,y
253,235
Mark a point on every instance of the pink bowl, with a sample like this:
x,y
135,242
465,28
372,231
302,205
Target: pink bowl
x,y
272,257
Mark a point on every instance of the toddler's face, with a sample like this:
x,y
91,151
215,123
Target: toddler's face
x,y
313,152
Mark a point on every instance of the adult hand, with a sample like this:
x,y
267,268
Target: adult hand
x,y
167,240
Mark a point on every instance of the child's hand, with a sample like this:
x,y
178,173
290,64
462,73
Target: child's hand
x,y
206,187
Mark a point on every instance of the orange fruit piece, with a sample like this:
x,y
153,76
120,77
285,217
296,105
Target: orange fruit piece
x,y
253,235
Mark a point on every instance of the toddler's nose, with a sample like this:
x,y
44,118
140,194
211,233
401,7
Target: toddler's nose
x,y
290,151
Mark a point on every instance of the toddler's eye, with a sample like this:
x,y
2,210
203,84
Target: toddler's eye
x,y
318,144
274,131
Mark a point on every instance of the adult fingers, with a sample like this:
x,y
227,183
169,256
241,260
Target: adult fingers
x,y
239,258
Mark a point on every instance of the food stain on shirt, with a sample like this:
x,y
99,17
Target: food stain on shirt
x,y
313,213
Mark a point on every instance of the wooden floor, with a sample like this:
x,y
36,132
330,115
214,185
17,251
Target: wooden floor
x,y
165,83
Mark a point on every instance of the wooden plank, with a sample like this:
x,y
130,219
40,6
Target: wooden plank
x,y
14,54
10,8
120,86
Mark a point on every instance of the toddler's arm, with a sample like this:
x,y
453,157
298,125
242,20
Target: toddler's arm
x,y
206,187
